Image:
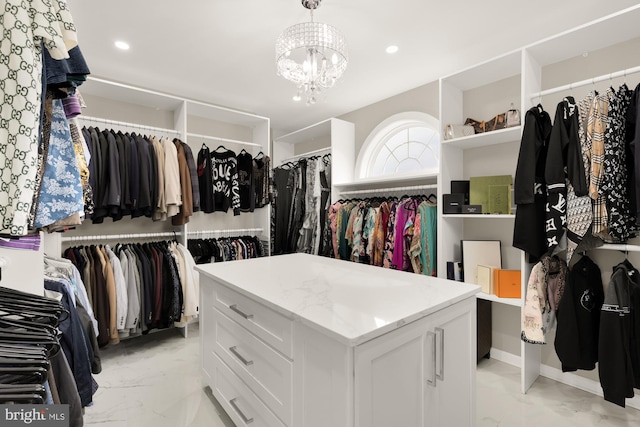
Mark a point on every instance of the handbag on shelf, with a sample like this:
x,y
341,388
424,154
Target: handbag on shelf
x,y
513,118
498,122
457,131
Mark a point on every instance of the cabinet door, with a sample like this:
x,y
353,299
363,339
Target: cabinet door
x,y
389,378
450,366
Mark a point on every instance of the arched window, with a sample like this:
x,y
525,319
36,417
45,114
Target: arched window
x,y
404,144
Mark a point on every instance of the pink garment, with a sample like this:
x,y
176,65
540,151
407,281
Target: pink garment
x,y
333,212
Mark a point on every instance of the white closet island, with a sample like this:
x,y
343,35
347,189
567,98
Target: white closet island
x,y
301,340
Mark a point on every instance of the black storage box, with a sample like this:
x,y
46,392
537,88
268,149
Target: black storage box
x,y
452,203
461,187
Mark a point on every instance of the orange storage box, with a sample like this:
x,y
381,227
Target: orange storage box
x,y
507,283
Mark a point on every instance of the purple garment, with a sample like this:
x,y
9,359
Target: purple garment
x,y
71,106
31,243
398,244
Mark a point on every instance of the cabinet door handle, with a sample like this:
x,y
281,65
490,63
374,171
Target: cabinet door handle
x,y
431,380
236,408
440,374
234,307
237,354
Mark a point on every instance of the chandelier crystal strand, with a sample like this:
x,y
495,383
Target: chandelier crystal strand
x,y
313,55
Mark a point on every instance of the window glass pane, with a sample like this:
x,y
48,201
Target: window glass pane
x,y
416,149
398,139
378,165
429,160
406,149
390,165
420,133
408,165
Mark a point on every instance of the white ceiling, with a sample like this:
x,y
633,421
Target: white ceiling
x,y
222,51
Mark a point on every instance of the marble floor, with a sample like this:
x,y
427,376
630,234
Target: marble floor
x,y
154,381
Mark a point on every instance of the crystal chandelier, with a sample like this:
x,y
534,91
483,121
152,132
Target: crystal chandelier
x,y
313,55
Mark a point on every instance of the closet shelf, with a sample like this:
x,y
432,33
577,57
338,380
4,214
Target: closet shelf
x,y
224,232
392,183
101,237
485,139
326,150
217,138
120,124
586,82
516,302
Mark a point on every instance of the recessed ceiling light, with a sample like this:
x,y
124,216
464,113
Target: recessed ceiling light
x,y
122,45
297,98
392,49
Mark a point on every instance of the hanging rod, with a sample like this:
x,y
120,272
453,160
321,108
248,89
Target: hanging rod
x,y
217,138
391,189
125,124
236,231
571,86
307,154
120,236
620,247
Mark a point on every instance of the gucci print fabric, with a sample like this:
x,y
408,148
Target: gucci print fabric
x,y
26,26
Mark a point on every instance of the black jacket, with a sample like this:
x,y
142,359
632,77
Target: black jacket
x,y
564,152
205,179
618,352
529,184
578,317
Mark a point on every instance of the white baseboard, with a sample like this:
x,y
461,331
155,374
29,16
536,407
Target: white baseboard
x,y
556,374
505,357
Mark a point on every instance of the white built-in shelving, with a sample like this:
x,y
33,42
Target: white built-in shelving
x,y
523,78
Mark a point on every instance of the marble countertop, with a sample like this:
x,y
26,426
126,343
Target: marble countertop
x,y
350,302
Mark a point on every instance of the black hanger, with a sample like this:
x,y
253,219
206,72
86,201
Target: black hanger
x,y
221,147
243,151
259,155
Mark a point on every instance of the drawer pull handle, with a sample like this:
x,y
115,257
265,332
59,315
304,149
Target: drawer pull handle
x,y
235,308
233,403
237,354
432,378
440,374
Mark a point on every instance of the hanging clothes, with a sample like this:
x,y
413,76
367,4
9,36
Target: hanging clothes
x,y
530,193
27,30
262,180
246,183
564,162
226,193
134,288
618,346
205,251
580,208
301,199
578,317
